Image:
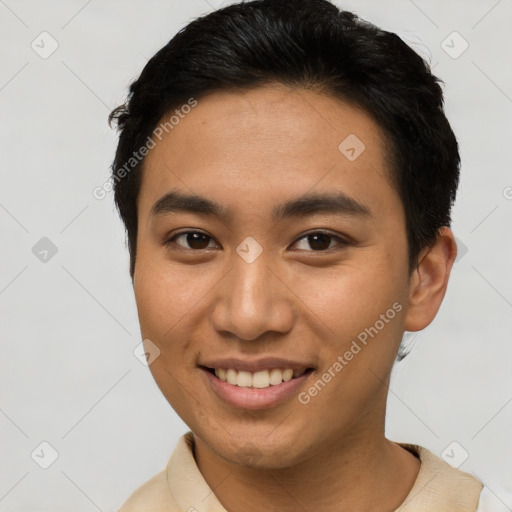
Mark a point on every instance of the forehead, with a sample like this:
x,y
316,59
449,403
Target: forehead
x,y
259,145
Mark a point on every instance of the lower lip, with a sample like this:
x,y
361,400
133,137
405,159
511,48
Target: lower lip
x,y
254,398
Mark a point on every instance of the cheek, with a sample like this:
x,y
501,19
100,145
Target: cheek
x,y
349,298
164,295
169,299
153,304
162,308
361,313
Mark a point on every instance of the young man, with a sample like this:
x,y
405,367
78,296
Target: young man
x,y
285,173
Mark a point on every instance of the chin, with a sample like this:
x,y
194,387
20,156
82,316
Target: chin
x,y
258,450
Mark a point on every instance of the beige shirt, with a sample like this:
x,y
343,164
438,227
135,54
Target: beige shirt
x,y
182,488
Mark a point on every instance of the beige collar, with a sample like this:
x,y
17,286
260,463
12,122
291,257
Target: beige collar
x,y
440,487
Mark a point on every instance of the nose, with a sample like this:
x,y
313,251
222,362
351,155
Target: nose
x,y
251,300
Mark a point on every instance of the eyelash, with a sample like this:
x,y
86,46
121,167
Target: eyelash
x,y
341,241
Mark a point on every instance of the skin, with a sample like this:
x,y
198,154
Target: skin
x,y
250,150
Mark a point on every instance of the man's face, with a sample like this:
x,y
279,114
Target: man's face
x,y
255,291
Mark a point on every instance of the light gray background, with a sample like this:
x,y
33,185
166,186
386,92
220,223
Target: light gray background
x,y
69,326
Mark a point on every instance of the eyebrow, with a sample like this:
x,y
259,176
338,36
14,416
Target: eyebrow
x,y
306,205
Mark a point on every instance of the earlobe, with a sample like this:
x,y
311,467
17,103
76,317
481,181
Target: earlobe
x,y
429,281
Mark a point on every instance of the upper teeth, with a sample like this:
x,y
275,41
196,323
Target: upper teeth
x,y
262,379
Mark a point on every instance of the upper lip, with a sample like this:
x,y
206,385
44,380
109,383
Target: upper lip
x,y
254,365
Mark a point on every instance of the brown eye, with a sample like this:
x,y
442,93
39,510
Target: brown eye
x,y
320,241
195,240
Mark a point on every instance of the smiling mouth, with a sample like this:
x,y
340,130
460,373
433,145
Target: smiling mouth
x,y
257,380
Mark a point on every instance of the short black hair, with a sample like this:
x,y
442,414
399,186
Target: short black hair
x,y
309,44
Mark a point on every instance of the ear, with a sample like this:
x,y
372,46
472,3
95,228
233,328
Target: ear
x,y
428,282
